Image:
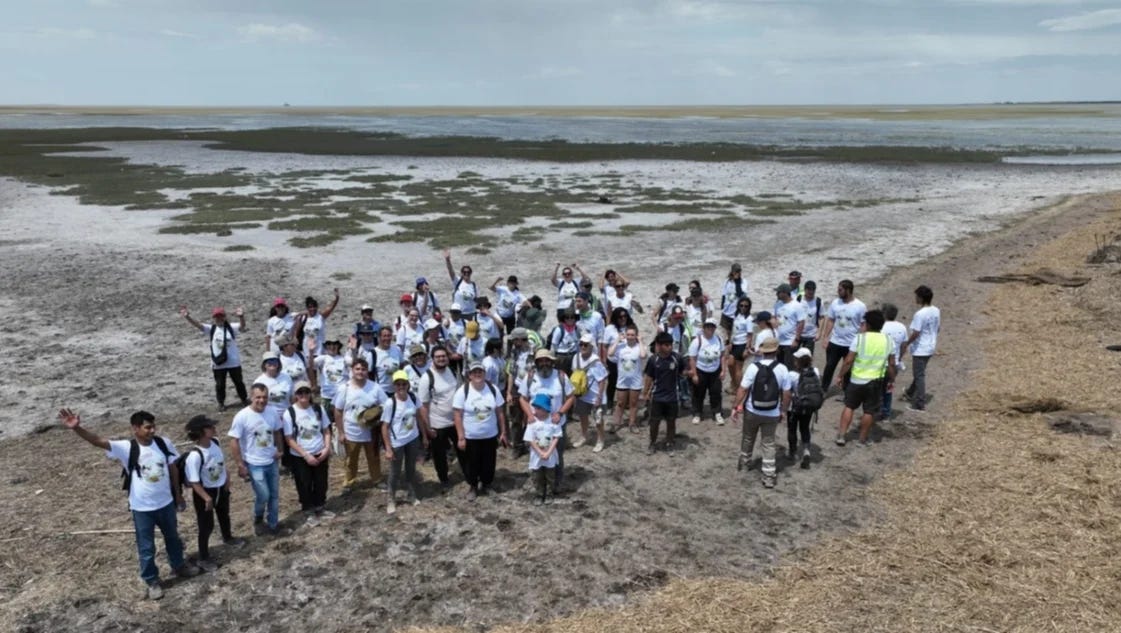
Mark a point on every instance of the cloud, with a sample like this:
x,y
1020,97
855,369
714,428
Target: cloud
x,y
174,33
1084,21
291,32
55,33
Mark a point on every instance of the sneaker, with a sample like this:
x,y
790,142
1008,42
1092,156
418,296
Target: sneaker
x,y
806,460
208,565
696,419
312,520
259,529
235,541
598,448
915,409
391,507
792,453
472,494
412,500
549,499
768,482
154,591
740,463
719,420
186,570
325,515
539,501
580,441
345,492
650,449
840,441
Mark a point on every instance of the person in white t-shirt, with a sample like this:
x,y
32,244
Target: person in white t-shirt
x,y
764,324
404,434
922,342
464,290
307,430
812,305
762,417
897,332
411,332
790,322
740,345
706,371
480,424
293,362
333,373
615,332
278,384
734,291
312,323
490,326
205,469
842,324
256,443
588,360
799,419
153,492
510,301
567,287
542,436
547,379
618,297
355,405
436,395
281,323
630,354
225,359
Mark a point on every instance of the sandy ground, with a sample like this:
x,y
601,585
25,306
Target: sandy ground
x,y
102,302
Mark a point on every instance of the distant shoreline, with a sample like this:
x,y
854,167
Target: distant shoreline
x,y
879,112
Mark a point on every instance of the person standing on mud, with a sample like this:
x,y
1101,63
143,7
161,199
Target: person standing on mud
x,y
542,436
480,426
765,394
153,492
352,400
280,323
734,291
664,370
436,395
225,357
312,323
871,358
567,287
811,303
546,379
922,343
464,290
790,320
255,442
842,323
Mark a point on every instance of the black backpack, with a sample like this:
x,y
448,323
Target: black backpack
x,y
221,358
809,395
134,460
181,464
765,392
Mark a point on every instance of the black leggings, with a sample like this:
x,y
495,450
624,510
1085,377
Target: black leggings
x,y
707,381
612,378
480,461
798,422
220,384
833,354
445,439
311,482
220,499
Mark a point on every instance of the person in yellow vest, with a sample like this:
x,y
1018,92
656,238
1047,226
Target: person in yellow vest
x,y
871,358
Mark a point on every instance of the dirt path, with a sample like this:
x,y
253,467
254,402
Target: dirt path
x,y
632,523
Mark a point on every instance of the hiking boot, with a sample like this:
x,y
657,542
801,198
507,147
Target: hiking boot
x,y
391,507
208,565
598,448
539,501
806,460
472,494
154,591
769,481
719,419
580,441
325,515
312,520
186,570
234,541
792,452
696,419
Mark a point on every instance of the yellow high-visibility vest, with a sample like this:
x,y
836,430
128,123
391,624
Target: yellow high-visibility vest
x,y
871,356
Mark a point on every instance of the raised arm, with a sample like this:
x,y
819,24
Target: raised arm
x,y
326,312
71,420
494,286
448,263
556,269
183,312
240,314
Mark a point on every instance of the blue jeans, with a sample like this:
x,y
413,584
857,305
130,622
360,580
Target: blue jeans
x,y
885,408
266,492
146,524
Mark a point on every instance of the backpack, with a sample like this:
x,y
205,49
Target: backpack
x,y
181,465
809,395
221,357
493,390
134,460
579,376
292,416
765,392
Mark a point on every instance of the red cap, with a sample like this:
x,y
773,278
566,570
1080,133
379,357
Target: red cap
x,y
279,301
406,297
217,311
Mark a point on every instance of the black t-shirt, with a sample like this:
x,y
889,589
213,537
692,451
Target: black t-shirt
x,y
665,371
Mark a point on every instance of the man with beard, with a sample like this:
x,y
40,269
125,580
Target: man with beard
x,y
436,393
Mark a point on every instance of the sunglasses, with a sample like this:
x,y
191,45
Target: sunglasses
x,y
465,271
567,273
585,344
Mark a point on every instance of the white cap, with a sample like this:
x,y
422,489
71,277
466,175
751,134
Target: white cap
x,y
366,306
303,384
456,308
431,324
711,321
586,338
803,352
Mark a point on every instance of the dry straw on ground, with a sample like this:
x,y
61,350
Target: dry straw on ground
x,y
1001,524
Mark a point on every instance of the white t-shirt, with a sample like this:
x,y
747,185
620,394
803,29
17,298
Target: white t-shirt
x,y
439,397
597,374
472,350
403,424
846,318
523,361
927,321
223,340
316,327
455,332
294,366
352,400
333,372
255,433
813,315
729,297
708,352
407,336
853,347
630,366
494,366
788,315
278,327
612,300
151,481
464,294
557,385
488,329
611,334
897,332
592,323
386,361
308,428
542,434
741,329
567,291
696,314
209,469
280,392
507,301
565,341
781,375
764,334
480,410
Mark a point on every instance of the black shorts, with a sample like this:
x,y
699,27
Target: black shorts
x,y
869,396
739,352
663,411
726,322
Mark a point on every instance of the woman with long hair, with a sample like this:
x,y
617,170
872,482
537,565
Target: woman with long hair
x,y
739,342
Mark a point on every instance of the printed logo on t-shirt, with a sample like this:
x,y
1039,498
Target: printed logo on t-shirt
x,y
278,394
153,469
308,425
542,437
214,468
262,436
408,421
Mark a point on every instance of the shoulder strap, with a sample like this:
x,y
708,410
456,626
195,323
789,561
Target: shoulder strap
x,y
133,463
431,379
160,443
292,414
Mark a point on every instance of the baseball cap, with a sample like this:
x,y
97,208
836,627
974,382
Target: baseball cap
x,y
279,301
519,332
472,329
803,352
795,273
455,308
405,298
762,316
712,322
544,353
512,279
268,357
417,349
784,288
400,375
476,365
217,311
367,308
431,324
587,338
420,281
303,384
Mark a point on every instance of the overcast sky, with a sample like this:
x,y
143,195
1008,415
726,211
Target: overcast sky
x,y
562,52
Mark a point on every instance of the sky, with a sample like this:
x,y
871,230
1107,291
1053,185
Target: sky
x,y
557,52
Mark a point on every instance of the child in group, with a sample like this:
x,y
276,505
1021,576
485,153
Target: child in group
x,y
541,436
205,468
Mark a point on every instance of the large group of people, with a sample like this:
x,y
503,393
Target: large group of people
x,y
457,382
